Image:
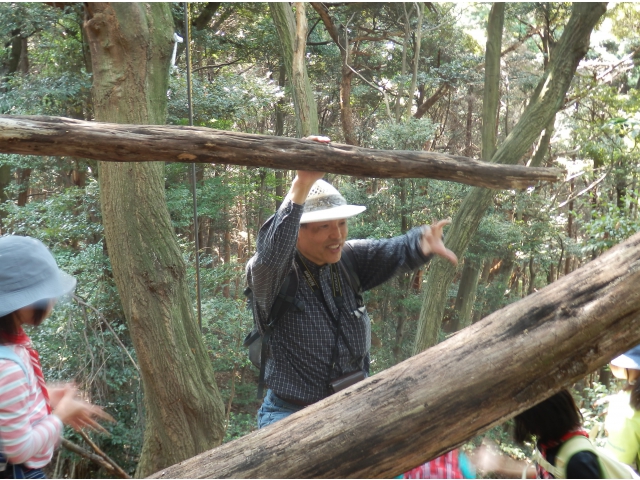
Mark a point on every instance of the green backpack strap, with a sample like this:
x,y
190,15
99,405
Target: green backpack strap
x,y
552,469
609,466
569,448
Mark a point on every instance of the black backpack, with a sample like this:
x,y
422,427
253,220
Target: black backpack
x,y
258,344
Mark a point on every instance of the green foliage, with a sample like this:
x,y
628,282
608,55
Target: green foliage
x,y
63,219
225,324
410,135
63,96
230,102
612,225
496,237
239,425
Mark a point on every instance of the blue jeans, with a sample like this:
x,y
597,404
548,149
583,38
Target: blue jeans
x,y
274,409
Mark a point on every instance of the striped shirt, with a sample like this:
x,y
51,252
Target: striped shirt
x,y
299,366
28,434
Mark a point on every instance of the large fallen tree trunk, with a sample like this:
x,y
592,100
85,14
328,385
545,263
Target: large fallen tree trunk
x,y
428,404
57,136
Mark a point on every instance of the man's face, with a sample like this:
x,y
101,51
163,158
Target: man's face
x,y
321,242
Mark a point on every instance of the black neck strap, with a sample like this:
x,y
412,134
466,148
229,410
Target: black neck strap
x,y
336,286
314,284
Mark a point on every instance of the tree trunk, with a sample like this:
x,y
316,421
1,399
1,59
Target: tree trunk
x,y
420,408
6,71
424,107
226,253
491,97
468,141
532,277
24,180
484,279
5,181
403,68
543,145
467,293
279,132
416,58
110,142
544,104
404,217
292,31
346,114
130,48
12,64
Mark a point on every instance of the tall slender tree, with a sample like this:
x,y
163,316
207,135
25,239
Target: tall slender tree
x,y
543,105
292,30
130,49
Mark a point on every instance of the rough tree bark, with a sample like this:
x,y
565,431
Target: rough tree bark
x,y
110,142
292,31
346,114
491,98
545,102
130,49
543,145
420,6
412,412
466,293
7,69
425,106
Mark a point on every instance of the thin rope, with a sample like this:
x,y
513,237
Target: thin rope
x,y
187,37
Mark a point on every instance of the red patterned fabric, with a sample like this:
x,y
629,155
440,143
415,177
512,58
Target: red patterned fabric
x,y
445,466
22,338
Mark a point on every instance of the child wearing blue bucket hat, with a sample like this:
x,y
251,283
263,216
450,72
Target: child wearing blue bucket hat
x,y
31,413
623,418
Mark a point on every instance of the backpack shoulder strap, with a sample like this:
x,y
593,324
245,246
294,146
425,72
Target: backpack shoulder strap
x,y
348,262
611,468
569,448
286,297
552,469
6,353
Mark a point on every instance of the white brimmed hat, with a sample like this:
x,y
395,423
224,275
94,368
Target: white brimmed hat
x,y
324,202
28,274
629,359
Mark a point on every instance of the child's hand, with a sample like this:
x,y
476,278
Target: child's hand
x,y
79,414
57,391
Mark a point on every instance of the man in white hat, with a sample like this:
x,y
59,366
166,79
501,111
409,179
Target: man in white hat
x,y
325,342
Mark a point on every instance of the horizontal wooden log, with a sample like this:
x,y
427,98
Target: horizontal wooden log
x,y
57,136
435,401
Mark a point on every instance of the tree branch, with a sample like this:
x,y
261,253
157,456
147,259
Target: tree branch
x,y
207,13
119,471
97,459
430,102
84,304
58,136
217,66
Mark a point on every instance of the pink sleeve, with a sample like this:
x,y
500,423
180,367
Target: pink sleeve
x,y
27,432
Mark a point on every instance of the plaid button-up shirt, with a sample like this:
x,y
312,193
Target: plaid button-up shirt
x,y
299,366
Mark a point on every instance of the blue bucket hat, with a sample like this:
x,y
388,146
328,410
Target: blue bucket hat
x,y
629,359
28,274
